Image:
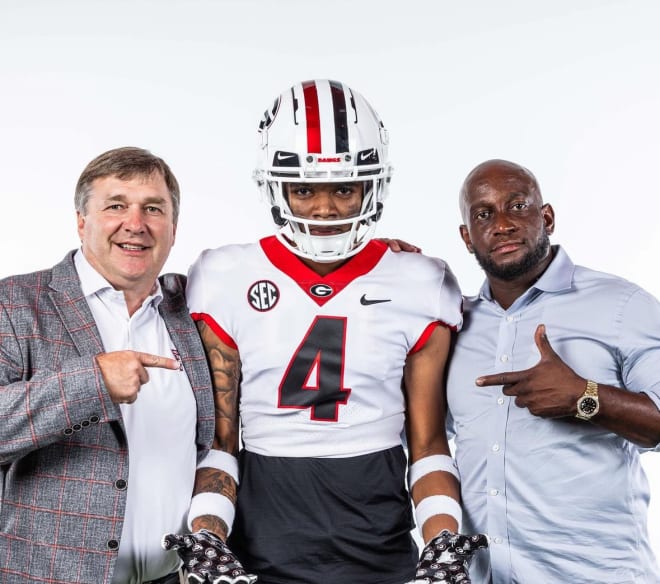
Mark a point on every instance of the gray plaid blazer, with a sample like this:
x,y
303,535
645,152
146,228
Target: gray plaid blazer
x,y
63,450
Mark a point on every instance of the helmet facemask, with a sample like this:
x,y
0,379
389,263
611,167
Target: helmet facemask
x,y
295,231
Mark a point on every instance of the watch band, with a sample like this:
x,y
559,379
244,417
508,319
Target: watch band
x,y
592,389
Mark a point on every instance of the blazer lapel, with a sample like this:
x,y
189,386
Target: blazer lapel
x,y
73,309
186,339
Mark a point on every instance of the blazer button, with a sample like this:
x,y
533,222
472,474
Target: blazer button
x,y
94,419
68,431
84,423
120,484
77,427
113,544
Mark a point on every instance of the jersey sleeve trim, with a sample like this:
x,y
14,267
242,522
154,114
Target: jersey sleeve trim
x,y
427,333
215,327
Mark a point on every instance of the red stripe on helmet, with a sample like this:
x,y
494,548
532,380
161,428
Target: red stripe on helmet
x,y
313,117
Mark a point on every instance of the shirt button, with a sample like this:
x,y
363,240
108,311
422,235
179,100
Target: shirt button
x,y
497,540
509,318
120,484
494,492
113,544
500,400
496,447
504,358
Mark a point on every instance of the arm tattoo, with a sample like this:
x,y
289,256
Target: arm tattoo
x,y
225,366
211,523
212,480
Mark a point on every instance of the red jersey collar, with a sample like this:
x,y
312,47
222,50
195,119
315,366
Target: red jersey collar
x,y
322,288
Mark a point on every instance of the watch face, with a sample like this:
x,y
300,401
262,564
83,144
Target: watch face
x,y
588,405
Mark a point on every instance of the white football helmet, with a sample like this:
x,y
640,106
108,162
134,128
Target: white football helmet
x,y
322,131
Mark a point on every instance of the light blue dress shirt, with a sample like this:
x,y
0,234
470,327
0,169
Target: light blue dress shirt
x,y
563,500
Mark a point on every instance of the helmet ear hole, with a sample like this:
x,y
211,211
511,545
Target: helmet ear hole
x,y
379,212
277,216
376,216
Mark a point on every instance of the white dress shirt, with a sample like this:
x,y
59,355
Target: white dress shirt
x,y
160,428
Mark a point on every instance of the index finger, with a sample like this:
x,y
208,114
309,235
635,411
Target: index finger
x,y
149,360
508,378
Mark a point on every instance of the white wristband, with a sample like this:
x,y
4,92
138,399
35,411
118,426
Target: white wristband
x,y
430,464
220,460
438,505
212,504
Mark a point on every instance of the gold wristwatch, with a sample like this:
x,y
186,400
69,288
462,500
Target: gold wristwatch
x,y
588,404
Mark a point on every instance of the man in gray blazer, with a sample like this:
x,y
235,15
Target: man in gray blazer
x,y
100,359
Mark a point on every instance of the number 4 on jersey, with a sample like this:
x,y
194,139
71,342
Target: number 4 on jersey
x,y
315,375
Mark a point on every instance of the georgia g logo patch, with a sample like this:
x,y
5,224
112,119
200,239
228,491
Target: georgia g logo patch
x,y
321,290
263,295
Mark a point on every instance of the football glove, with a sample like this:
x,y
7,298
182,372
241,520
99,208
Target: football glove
x,y
207,559
446,558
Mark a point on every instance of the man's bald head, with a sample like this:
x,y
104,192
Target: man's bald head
x,y
493,172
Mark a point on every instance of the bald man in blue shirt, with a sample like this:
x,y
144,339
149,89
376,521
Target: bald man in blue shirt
x,y
554,391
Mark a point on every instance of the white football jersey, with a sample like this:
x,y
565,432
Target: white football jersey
x,y
322,357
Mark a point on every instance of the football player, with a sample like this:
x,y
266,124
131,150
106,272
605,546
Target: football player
x,y
327,346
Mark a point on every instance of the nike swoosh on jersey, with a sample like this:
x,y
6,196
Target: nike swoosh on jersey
x,y
367,302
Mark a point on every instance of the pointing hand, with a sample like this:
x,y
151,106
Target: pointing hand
x,y
124,372
550,389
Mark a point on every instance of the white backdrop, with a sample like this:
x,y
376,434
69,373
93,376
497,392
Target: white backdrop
x,y
569,88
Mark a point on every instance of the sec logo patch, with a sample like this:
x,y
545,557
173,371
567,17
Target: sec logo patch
x,y
263,295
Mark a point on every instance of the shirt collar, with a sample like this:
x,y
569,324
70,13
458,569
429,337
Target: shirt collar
x,y
558,276
91,282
